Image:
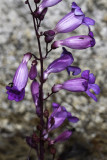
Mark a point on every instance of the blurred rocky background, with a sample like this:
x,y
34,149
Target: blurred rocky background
x,y
17,120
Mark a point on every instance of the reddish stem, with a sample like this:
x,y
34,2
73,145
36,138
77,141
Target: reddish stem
x,y
41,86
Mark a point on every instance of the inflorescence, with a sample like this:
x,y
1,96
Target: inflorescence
x,y
83,83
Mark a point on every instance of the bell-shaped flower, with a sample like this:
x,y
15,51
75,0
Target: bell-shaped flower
x,y
58,116
72,20
76,42
33,70
62,63
35,95
46,4
82,84
17,90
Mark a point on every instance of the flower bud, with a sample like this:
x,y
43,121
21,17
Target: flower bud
x,y
49,36
56,88
46,113
37,1
52,150
26,2
33,70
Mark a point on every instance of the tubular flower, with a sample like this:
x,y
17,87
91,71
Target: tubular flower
x,y
35,95
33,70
72,20
46,4
82,84
17,90
58,116
60,64
76,42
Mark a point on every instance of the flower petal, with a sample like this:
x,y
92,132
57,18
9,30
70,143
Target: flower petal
x,y
85,74
91,95
63,136
91,78
14,94
88,21
71,118
55,105
95,88
78,12
75,6
74,69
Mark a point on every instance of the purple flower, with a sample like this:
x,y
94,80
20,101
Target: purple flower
x,y
73,20
76,42
62,63
82,84
59,115
33,70
17,90
47,3
35,95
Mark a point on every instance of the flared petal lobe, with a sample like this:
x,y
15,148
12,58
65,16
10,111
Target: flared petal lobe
x,y
75,70
14,94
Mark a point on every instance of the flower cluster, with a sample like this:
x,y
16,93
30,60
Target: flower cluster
x,y
85,82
